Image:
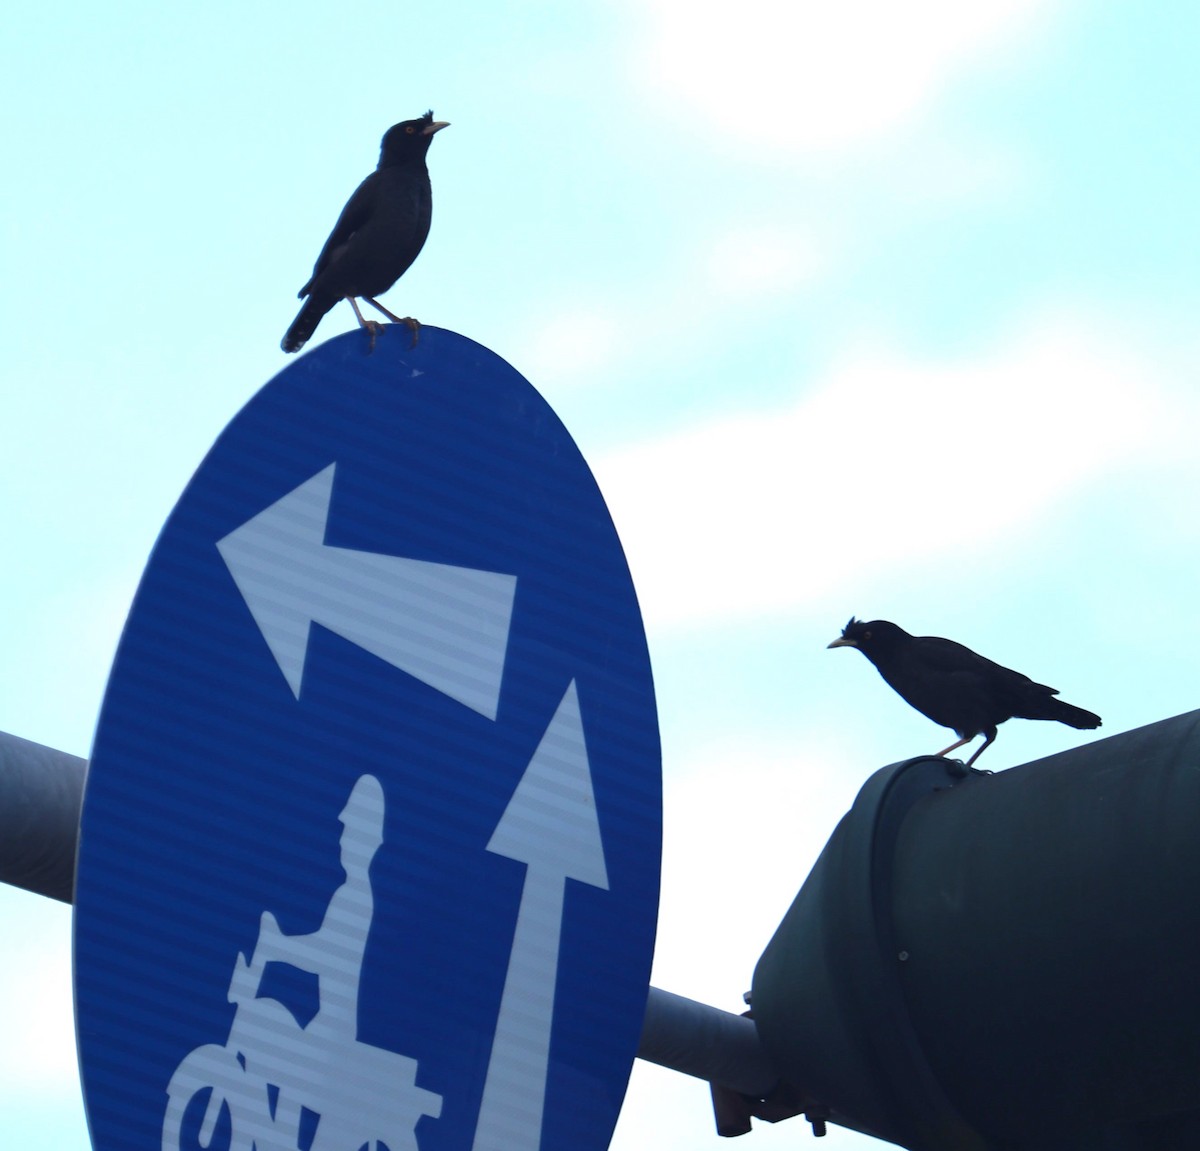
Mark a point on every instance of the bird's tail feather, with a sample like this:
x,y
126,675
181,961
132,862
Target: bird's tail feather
x,y
305,323
1073,716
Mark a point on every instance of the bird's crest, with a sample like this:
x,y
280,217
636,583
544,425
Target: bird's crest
x,y
856,633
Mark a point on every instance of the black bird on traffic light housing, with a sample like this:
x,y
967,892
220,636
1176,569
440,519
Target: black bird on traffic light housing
x,y
953,686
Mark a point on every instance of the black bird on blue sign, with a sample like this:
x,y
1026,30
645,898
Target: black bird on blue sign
x,y
379,234
955,687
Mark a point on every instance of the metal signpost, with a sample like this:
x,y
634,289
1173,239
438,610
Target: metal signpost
x,y
370,840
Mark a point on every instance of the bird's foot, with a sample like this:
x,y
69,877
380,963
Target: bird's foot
x,y
374,327
413,326
956,767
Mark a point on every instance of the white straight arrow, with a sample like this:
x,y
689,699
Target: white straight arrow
x,y
550,825
446,625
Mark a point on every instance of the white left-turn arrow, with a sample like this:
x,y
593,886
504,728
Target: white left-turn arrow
x,y
550,825
447,626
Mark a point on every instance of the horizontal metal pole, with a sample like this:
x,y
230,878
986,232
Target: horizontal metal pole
x,y
41,791
705,1042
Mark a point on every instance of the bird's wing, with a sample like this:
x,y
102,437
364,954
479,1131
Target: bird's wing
x,y
953,659
1005,691
950,658
358,210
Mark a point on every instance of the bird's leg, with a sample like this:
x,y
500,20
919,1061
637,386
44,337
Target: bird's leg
x,y
380,308
957,767
991,735
372,327
414,326
965,739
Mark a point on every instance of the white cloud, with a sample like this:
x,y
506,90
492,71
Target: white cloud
x,y
77,628
37,1053
813,77
742,268
888,461
720,906
571,343
757,262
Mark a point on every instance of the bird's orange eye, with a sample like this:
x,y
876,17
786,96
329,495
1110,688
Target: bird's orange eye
x,y
866,635
409,130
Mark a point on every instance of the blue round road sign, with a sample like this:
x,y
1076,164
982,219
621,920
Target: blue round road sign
x,y
369,852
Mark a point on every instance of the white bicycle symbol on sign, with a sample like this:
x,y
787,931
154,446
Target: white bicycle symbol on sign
x,y
271,1069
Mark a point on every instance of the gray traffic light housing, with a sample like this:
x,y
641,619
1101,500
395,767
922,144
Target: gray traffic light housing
x,y
1006,961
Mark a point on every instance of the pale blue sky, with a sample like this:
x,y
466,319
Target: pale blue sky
x,y
875,311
